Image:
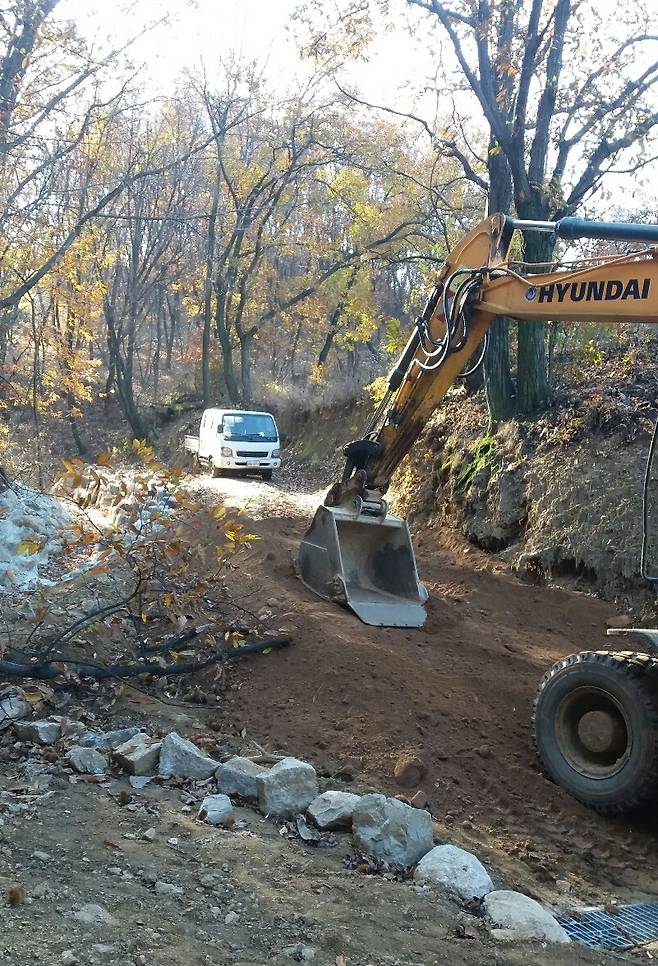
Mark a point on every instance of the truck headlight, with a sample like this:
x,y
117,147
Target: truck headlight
x,y
227,451
275,453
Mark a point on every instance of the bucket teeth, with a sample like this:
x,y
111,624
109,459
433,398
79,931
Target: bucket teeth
x,y
366,563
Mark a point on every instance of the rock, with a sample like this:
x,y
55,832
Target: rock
x,y
409,770
104,949
91,914
68,958
333,810
139,781
12,709
230,918
456,870
41,856
107,740
179,758
217,810
150,834
419,800
45,732
300,953
69,726
390,830
238,777
167,889
287,788
88,761
139,754
513,916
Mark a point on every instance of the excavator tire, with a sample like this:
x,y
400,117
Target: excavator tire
x,y
596,728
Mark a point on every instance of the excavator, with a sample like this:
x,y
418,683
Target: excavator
x,y
595,720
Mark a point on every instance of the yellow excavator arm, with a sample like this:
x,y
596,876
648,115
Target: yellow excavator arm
x,y
595,720
357,553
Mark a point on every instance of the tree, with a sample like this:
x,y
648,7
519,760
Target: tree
x,y
560,128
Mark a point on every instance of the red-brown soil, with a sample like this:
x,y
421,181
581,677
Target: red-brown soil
x,y
458,693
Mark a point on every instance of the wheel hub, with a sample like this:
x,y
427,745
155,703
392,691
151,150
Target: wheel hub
x,y
592,732
602,732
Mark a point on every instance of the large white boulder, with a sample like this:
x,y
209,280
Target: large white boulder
x,y
238,777
458,871
287,788
43,732
333,810
511,915
88,761
217,810
139,754
387,829
180,758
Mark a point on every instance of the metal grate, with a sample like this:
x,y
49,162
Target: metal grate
x,y
628,926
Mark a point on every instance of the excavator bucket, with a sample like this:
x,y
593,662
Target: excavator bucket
x,y
366,563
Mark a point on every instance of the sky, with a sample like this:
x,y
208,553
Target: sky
x,y
200,32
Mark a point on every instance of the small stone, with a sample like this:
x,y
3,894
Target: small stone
x,y
150,835
456,870
105,949
514,916
139,754
419,800
107,740
68,958
238,777
409,770
41,856
87,761
390,830
230,918
333,810
92,914
167,889
69,727
45,732
217,810
12,709
180,758
139,781
287,788
300,953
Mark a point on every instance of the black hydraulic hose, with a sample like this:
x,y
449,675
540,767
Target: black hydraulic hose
x,y
483,352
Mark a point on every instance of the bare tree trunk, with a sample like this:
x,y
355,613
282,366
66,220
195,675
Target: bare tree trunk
x,y
208,289
498,378
246,347
224,337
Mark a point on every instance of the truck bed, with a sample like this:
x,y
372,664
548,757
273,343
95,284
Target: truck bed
x,y
191,444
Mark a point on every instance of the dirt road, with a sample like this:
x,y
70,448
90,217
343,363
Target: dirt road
x,y
457,693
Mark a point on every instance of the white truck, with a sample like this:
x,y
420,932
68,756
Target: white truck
x,y
231,439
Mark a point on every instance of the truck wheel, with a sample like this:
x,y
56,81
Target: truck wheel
x,y
266,474
596,728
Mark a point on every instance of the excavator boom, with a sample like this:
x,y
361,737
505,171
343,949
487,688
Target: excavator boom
x,y
357,553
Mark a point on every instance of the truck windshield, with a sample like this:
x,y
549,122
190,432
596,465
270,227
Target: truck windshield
x,y
249,427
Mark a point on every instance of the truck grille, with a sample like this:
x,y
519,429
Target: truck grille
x,y
251,455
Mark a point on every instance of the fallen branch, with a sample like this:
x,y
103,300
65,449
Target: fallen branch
x,y
57,667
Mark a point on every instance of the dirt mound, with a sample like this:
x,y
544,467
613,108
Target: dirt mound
x,y
562,505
